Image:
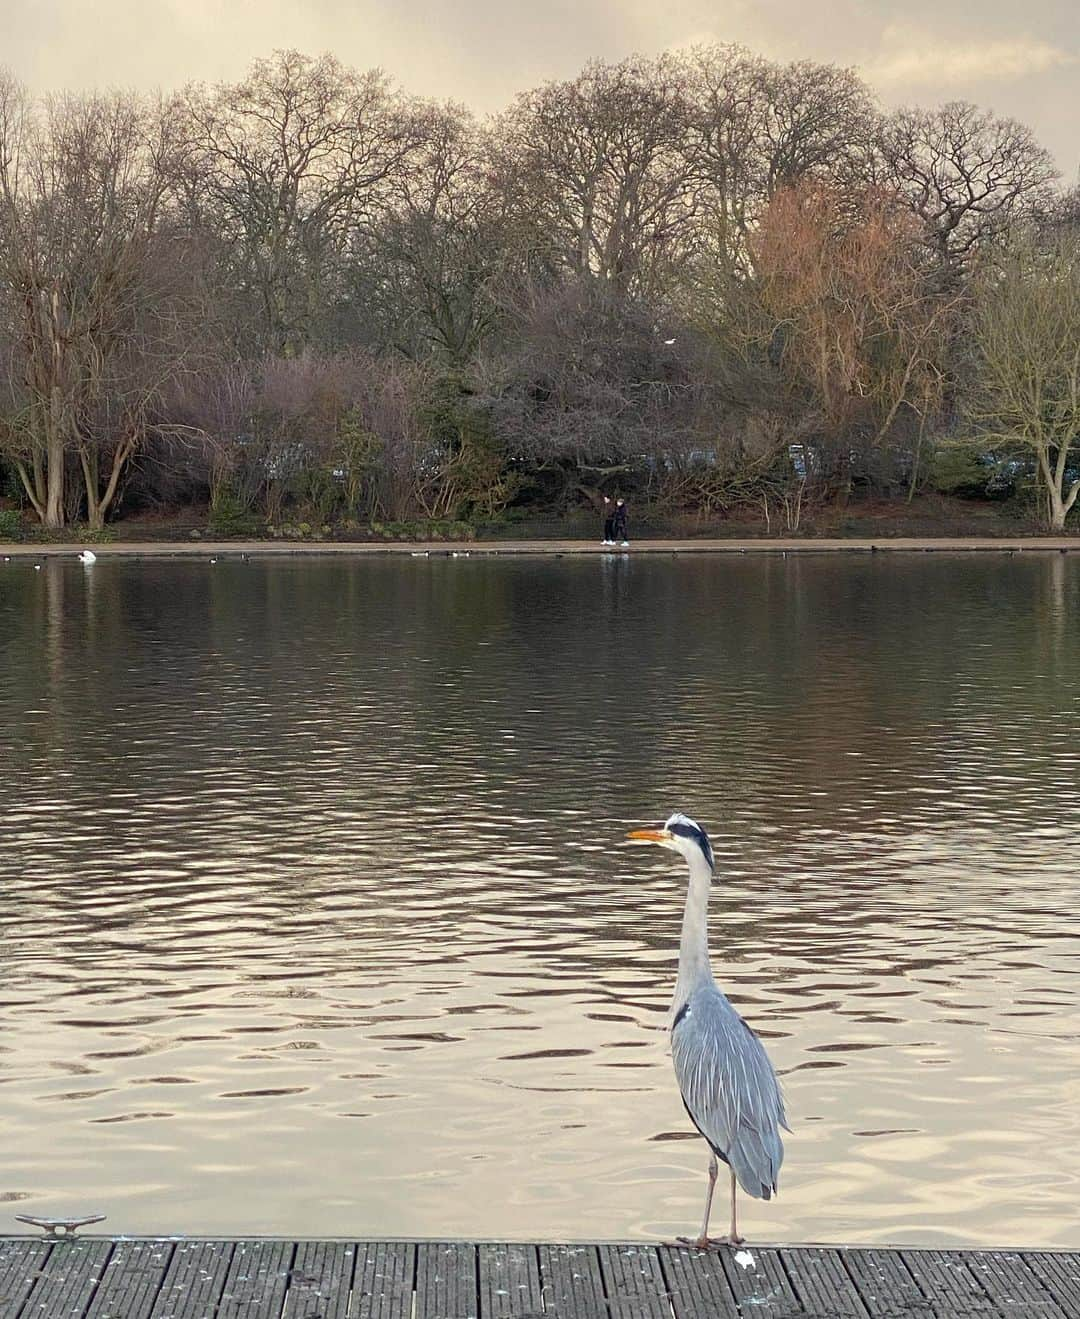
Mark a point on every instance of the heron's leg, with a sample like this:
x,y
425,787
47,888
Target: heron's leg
x,y
702,1242
734,1239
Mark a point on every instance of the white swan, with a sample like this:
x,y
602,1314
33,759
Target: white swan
x,y
88,556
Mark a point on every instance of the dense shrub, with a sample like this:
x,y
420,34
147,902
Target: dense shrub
x,y
229,517
960,471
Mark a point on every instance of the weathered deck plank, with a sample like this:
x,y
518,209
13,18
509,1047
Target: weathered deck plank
x,y
822,1283
131,1280
634,1283
573,1285
194,1280
1060,1275
320,1281
763,1287
69,1278
385,1272
383,1285
1011,1284
446,1280
257,1279
22,1261
509,1281
947,1283
886,1285
95,1278
697,1284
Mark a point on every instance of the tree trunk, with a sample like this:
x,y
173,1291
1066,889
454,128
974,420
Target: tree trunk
x,y
98,503
1059,507
55,411
1058,503
916,458
89,462
34,485
54,497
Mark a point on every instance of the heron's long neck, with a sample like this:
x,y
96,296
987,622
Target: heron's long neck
x,y
694,968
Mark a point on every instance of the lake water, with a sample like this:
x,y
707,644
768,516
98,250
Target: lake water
x,y
317,919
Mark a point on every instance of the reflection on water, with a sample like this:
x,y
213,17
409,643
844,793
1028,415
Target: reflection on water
x,y
316,917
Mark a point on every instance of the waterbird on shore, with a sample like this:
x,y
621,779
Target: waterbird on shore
x,y
88,556
727,1082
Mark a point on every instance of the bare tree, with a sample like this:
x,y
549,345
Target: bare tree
x,y
597,163
855,323
666,269
1063,215
349,434
211,414
425,272
584,391
967,175
163,334
286,164
818,121
1025,387
97,307
755,127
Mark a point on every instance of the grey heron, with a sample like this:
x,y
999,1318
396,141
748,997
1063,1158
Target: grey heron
x,y
727,1082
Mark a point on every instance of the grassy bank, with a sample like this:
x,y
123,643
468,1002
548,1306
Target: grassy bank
x,y
929,516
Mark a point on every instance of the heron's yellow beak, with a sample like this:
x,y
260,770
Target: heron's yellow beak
x,y
649,835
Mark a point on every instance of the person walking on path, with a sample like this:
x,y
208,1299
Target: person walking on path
x,y
609,521
618,523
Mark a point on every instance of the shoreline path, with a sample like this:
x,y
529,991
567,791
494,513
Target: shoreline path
x,y
496,548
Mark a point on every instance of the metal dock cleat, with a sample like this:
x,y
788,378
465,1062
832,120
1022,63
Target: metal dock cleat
x,y
56,1228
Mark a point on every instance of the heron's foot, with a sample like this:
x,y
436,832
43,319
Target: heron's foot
x,y
701,1243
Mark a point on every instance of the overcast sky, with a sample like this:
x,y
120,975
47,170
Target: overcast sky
x,y
1018,57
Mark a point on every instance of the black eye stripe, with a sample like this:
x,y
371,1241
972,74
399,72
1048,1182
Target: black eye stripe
x,y
698,836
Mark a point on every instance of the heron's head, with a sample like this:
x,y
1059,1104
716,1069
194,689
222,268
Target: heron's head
x,y
678,833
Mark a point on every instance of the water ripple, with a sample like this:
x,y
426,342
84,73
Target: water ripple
x,y
317,921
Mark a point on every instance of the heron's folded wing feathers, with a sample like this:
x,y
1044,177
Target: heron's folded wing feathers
x,y
730,1089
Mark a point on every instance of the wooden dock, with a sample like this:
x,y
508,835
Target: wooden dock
x,y
127,1278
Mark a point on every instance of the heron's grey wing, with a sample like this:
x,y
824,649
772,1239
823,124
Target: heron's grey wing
x,y
730,1089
